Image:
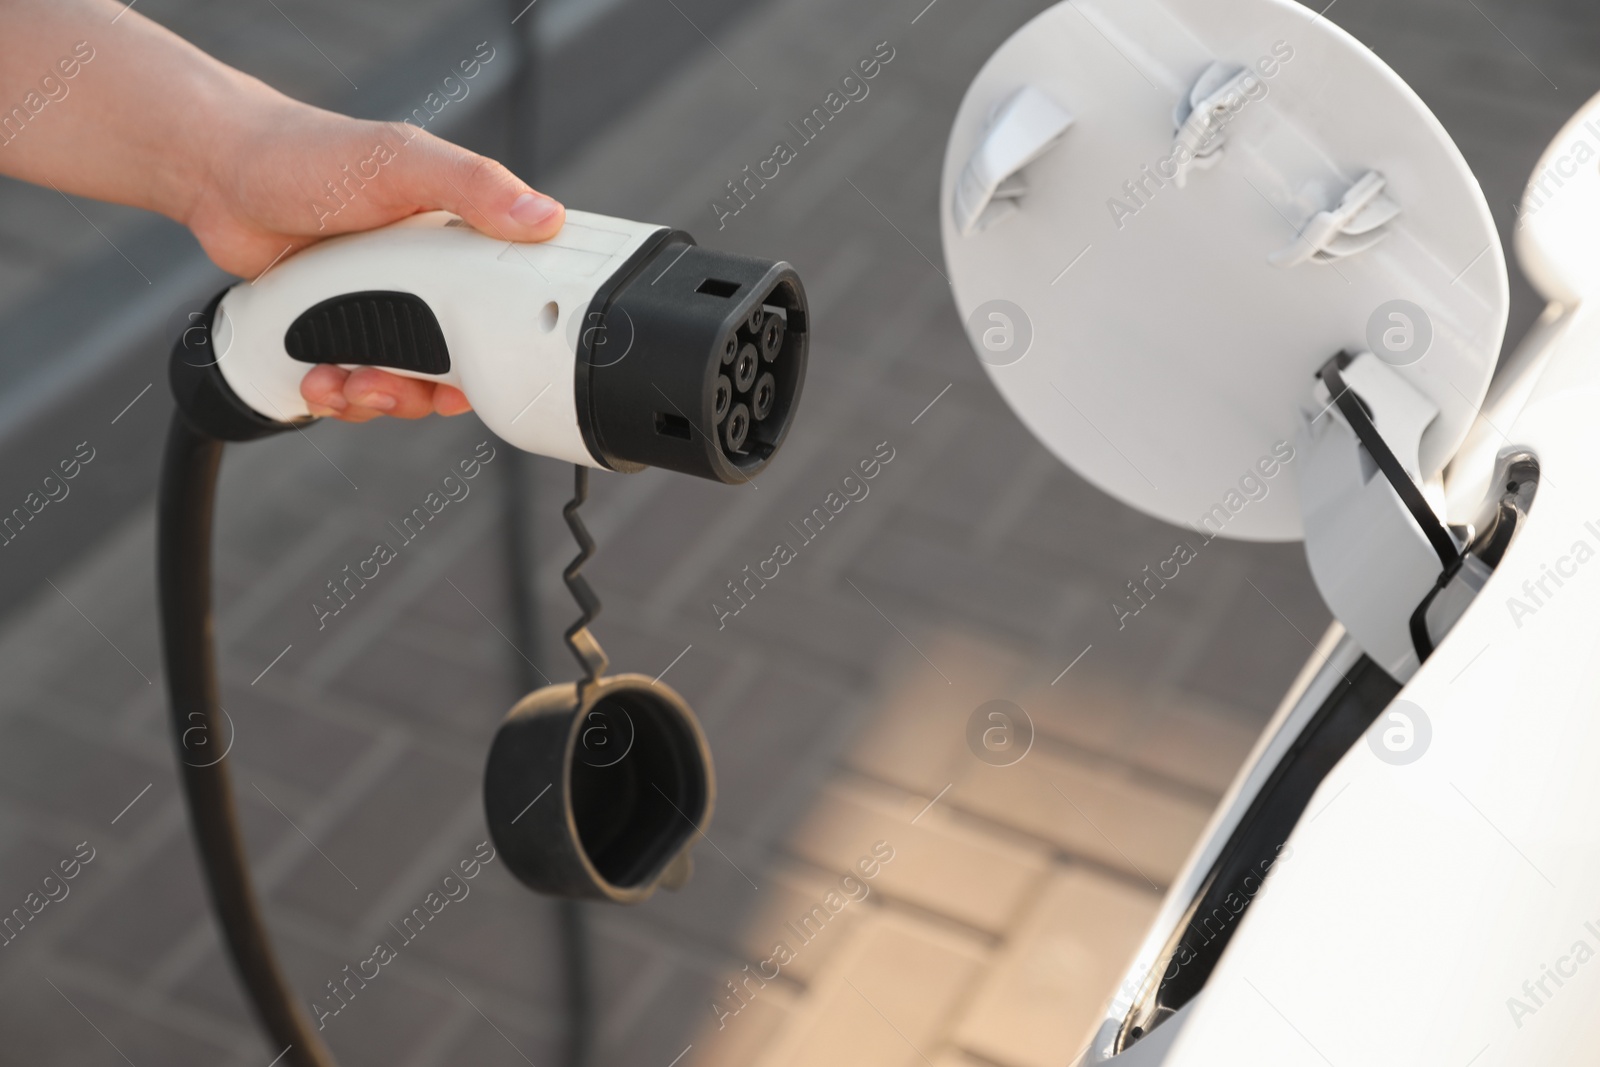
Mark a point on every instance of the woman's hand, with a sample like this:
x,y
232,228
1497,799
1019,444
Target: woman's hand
x,y
266,197
149,120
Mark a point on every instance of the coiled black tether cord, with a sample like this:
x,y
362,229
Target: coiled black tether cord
x,y
183,553
571,918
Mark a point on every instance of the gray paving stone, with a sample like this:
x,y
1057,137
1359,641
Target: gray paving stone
x,y
481,1044
1126,821
47,768
383,1022
396,676
375,844
27,861
212,986
679,1020
907,576
647,552
290,742
950,870
507,914
721,909
157,903
838,639
772,731
885,1002
1253,671
1040,1002
58,1026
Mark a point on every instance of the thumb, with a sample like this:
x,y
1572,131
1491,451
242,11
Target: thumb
x,y
483,192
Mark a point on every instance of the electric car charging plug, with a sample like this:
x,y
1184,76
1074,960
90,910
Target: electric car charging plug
x,y
605,346
616,345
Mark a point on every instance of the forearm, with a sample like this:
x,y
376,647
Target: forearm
x,y
114,110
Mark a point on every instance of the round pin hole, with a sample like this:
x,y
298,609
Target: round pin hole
x,y
738,427
765,393
744,371
772,337
548,316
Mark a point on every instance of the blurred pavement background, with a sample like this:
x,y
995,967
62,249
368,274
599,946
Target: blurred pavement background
x,y
836,702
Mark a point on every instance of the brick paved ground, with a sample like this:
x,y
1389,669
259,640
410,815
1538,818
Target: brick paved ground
x,y
836,702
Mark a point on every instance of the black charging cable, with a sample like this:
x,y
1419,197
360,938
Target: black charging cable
x,y
183,554
186,509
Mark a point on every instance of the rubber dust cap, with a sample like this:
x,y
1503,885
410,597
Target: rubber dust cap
x,y
599,794
1210,198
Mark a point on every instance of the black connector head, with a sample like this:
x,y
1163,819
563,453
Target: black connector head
x,y
678,348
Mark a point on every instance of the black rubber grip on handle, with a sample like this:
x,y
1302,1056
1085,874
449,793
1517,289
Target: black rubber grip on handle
x,y
376,328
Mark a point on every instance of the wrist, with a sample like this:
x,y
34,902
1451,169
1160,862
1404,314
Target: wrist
x,y
217,139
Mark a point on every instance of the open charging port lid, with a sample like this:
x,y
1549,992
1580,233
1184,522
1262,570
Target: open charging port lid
x,y
1161,218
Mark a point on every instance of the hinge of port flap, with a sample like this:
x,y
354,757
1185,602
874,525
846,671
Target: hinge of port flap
x,y
1511,489
1374,539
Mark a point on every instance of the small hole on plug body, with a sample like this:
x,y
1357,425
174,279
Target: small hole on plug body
x,y
672,426
717,287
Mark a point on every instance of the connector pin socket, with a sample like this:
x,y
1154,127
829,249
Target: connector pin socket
x,y
694,322
762,396
744,368
738,427
771,337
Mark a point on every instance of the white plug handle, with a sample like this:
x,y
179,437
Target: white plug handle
x,y
508,315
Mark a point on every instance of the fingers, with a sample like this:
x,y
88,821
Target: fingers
x,y
448,400
366,393
323,391
389,394
436,173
